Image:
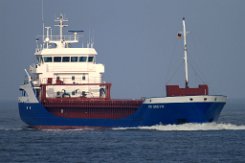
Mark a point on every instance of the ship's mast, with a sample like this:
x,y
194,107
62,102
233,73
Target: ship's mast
x,y
185,54
61,25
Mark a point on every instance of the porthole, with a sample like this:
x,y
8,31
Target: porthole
x,y
205,99
191,99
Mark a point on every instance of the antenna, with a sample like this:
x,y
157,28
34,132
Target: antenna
x,y
51,34
37,47
89,38
42,10
87,44
92,41
47,37
43,20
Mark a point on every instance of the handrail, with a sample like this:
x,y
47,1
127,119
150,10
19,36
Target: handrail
x,y
65,37
105,86
64,81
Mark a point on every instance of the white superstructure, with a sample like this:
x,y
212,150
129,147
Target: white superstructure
x,y
65,69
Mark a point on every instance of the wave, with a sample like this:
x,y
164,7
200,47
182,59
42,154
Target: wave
x,y
183,127
69,129
10,129
188,127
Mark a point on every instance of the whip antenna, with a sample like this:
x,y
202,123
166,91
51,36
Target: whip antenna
x,y
43,20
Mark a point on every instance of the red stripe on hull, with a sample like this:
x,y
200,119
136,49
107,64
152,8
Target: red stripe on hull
x,y
74,108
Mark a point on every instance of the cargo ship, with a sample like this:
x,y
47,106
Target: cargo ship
x,y
65,89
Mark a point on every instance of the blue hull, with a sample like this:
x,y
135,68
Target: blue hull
x,y
35,115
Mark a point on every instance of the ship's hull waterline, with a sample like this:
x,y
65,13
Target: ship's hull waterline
x,y
147,114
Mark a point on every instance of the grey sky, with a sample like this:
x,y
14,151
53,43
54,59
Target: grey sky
x,y
136,41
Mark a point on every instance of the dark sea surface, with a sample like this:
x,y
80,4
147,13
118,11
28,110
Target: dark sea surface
x,y
223,141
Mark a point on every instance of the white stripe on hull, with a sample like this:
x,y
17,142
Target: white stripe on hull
x,y
184,99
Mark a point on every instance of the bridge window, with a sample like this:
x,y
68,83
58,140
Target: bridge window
x,y
74,59
82,59
23,93
66,59
57,59
39,59
90,59
47,59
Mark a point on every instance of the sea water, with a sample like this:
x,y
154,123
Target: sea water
x,y
223,141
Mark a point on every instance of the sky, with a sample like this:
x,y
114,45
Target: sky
x,y
136,41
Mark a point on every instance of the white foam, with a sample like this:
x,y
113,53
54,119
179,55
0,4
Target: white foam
x,y
10,129
70,129
189,127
